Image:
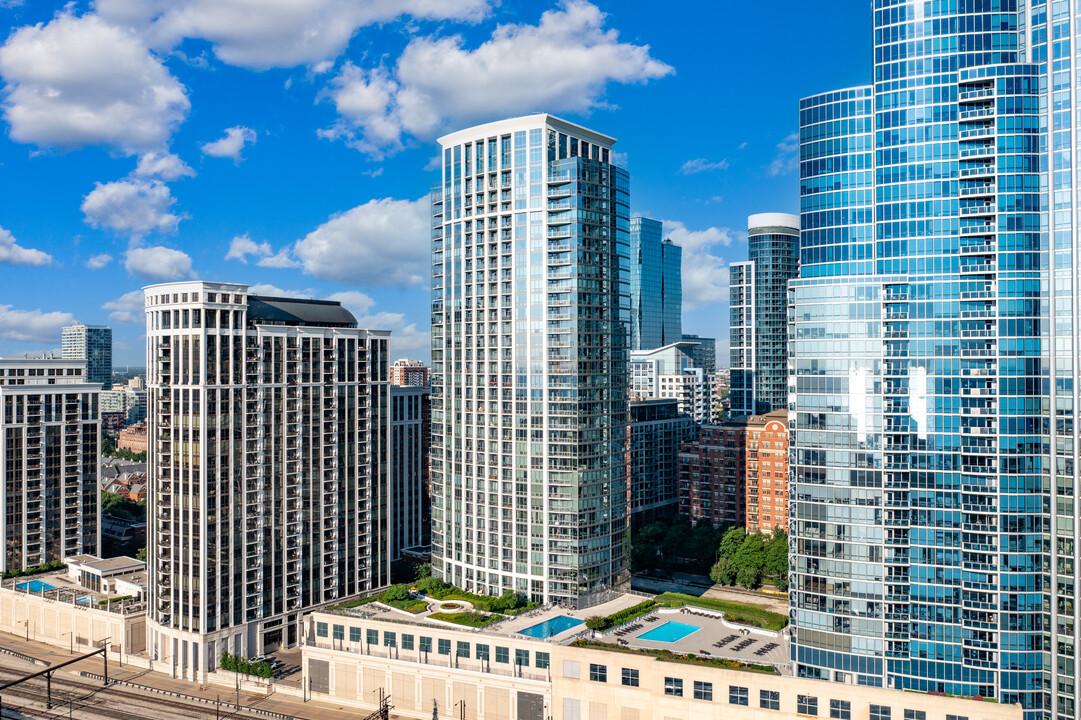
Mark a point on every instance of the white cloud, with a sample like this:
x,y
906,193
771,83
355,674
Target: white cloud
x,y
692,167
242,246
742,145
405,338
127,309
259,34
12,253
159,264
562,64
80,81
131,206
381,243
97,262
232,144
354,301
32,325
274,291
163,165
280,260
705,276
787,158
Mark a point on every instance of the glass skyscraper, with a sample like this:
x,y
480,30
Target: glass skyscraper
x,y
529,362
758,306
94,344
922,544
655,285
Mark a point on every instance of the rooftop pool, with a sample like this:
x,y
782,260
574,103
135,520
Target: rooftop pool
x,y
551,626
669,632
34,586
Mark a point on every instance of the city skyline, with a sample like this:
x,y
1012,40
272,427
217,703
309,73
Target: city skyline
x,y
267,192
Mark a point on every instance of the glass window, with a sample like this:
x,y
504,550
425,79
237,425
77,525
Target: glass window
x,y
502,655
598,673
840,710
339,632
373,637
482,652
673,686
769,699
444,646
543,659
630,677
806,705
322,629
407,642
880,712
463,649
915,715
354,634
737,695
703,690
390,639
425,644
521,658
956,717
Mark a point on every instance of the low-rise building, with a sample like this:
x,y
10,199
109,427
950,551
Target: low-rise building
x,y
655,433
133,438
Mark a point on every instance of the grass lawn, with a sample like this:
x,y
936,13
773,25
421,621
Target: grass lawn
x,y
470,619
736,612
413,606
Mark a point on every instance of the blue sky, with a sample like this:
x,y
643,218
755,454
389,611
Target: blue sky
x,y
289,145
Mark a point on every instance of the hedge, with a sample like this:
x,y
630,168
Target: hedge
x,y
736,612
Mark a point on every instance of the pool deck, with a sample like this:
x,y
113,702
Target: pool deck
x,y
713,629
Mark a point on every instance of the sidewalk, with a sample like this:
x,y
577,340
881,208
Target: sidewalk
x,y
276,702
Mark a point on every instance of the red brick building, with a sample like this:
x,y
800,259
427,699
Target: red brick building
x,y
133,438
736,473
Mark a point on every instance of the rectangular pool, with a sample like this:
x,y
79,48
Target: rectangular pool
x,y
669,632
34,586
551,626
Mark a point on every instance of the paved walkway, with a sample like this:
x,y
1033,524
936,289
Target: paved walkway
x,y
312,710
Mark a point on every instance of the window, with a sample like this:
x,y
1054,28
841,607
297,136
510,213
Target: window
x,y
502,655
321,629
407,642
703,690
598,673
482,652
806,705
880,712
373,637
630,677
915,715
737,695
769,699
542,659
956,717
390,639
840,710
521,658
425,644
673,686
339,632
354,634
463,649
444,646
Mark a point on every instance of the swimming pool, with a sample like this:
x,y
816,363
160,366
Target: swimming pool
x,y
669,632
35,586
550,627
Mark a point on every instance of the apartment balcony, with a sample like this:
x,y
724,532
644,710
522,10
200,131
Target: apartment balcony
x,y
979,93
979,229
978,190
982,112
982,170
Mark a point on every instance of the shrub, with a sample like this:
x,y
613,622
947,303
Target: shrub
x,y
596,622
397,592
507,601
431,585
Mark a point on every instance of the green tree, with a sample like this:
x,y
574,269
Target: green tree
x,y
421,570
141,554
507,601
397,592
596,622
775,570
431,585
750,561
725,570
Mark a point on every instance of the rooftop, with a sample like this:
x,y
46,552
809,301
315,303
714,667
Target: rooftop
x,y
290,311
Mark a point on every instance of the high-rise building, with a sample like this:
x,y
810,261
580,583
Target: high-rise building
x,y
670,372
933,543
126,400
655,285
656,431
407,372
268,490
758,302
91,343
529,362
50,430
410,443
704,353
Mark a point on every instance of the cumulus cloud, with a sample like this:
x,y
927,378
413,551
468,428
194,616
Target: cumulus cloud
x,y
381,243
127,309
131,206
562,64
162,165
260,35
80,81
232,144
97,262
32,325
274,291
280,260
242,246
12,253
698,165
158,264
705,275
786,158
406,340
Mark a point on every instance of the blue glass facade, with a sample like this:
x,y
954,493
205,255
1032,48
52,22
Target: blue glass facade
x,y
655,286
921,444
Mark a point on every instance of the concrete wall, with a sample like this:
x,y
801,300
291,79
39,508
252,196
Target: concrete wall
x,y
68,625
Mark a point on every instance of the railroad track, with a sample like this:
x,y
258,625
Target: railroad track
x,y
90,698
